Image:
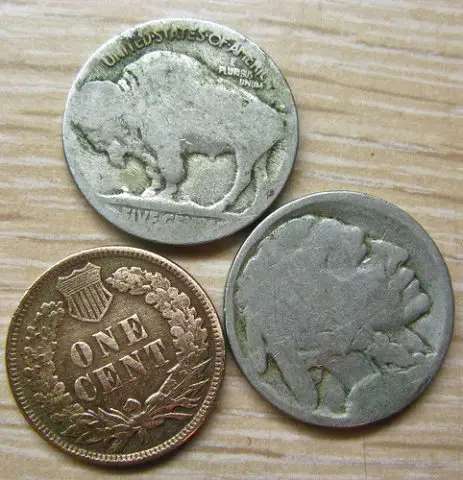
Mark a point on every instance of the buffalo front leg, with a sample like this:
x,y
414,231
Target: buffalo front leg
x,y
116,152
170,164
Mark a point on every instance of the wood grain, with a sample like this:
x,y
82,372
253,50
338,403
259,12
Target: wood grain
x,y
379,88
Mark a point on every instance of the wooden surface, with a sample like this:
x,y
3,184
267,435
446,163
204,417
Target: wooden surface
x,y
379,89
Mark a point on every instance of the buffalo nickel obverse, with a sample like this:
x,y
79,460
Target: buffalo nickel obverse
x,y
180,131
115,355
339,309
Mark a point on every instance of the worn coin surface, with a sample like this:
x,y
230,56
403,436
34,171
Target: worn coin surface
x,y
339,309
115,355
180,131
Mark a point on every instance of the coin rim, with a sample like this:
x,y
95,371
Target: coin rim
x,y
239,224
358,199
28,409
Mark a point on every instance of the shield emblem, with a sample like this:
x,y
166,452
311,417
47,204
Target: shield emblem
x,y
87,298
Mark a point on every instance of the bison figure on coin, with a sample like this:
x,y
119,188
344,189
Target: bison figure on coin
x,y
167,107
332,311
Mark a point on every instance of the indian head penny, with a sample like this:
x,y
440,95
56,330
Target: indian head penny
x,y
339,309
180,131
115,355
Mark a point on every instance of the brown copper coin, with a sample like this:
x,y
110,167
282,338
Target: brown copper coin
x,y
115,355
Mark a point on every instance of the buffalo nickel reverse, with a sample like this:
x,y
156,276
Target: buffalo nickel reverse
x,y
180,131
115,355
339,309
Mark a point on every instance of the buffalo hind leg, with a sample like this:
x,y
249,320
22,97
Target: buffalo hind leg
x,y
243,179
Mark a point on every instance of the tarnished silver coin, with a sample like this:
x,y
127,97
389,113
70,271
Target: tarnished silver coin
x,y
339,309
180,131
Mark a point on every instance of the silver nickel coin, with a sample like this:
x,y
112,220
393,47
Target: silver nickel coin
x,y
180,131
339,309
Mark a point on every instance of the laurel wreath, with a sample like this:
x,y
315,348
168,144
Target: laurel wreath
x,y
175,399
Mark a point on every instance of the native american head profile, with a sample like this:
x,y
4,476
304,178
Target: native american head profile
x,y
331,306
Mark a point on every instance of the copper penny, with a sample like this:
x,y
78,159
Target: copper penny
x,y
115,355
